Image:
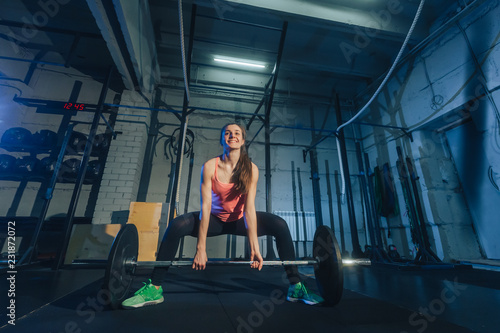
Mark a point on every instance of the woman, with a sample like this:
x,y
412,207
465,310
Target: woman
x,y
228,188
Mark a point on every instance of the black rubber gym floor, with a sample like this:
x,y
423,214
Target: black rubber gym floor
x,y
237,299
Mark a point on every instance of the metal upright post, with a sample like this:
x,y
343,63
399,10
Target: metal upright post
x,y
296,213
330,195
301,201
339,210
68,223
318,211
270,255
422,255
419,212
376,217
356,248
32,251
183,127
375,247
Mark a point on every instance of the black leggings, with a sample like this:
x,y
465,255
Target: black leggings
x,y
188,224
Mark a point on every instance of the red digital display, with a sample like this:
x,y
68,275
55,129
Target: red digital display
x,y
74,106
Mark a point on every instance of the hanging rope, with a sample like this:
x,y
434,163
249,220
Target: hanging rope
x,y
183,50
405,43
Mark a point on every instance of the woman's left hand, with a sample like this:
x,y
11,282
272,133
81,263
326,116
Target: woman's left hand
x,y
256,259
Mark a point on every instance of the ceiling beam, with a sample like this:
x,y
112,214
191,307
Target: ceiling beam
x,y
135,22
111,32
129,35
389,19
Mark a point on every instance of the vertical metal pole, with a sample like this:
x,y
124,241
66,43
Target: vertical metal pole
x,y
48,196
356,249
339,209
174,199
421,255
268,165
376,217
364,193
318,211
150,150
296,213
186,201
419,211
270,255
301,201
68,223
184,120
329,194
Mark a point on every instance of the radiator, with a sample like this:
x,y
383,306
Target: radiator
x,y
295,221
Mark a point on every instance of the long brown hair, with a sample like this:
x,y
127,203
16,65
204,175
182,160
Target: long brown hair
x,y
242,173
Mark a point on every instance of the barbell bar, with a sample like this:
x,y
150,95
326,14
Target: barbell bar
x,y
122,263
131,262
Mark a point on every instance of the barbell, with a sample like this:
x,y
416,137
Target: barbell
x,y
122,263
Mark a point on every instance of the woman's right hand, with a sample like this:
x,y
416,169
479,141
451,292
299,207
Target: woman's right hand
x,y
200,260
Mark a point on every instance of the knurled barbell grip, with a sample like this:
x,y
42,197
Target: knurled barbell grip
x,y
151,264
131,263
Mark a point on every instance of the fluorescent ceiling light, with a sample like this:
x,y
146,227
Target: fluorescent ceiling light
x,y
240,62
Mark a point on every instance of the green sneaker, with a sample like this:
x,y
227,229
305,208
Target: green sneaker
x,y
299,293
147,295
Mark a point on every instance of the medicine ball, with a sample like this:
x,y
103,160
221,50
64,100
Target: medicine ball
x,y
26,164
77,142
17,136
7,163
69,170
45,138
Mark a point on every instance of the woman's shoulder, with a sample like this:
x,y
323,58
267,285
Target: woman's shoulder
x,y
255,171
212,161
209,166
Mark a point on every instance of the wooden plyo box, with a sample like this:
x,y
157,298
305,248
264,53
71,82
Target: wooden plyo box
x,y
94,241
91,241
146,217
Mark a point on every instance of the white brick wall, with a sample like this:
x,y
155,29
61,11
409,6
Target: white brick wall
x,y
120,181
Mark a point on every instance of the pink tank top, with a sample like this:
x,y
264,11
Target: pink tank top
x,y
227,203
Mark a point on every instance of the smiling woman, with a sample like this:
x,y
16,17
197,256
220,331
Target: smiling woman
x,y
228,190
233,136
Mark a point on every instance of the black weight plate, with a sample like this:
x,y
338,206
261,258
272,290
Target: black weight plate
x,y
69,170
47,165
328,272
7,163
17,136
26,164
100,144
76,143
45,138
94,168
118,278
